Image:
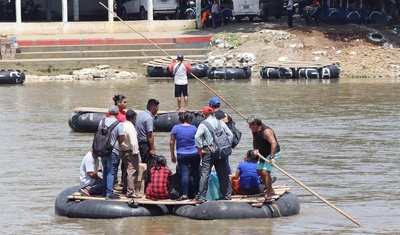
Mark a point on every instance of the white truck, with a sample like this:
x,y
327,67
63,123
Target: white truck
x,y
138,8
257,8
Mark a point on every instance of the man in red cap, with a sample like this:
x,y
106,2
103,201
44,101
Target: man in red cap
x,y
203,139
179,69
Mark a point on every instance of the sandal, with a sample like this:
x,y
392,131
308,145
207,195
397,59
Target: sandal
x,y
264,199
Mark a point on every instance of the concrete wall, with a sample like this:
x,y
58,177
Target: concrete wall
x,y
59,28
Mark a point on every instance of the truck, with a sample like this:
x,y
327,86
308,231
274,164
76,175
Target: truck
x,y
138,8
262,9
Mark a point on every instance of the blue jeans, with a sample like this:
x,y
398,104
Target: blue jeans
x,y
185,161
223,177
110,165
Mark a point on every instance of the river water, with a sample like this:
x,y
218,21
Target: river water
x,y
338,137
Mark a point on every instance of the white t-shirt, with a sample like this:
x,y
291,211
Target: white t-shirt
x,y
180,76
89,164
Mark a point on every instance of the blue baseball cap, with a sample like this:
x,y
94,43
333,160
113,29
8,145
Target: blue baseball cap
x,y
214,101
179,57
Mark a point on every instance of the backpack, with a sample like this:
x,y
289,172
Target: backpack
x,y
236,133
221,146
102,146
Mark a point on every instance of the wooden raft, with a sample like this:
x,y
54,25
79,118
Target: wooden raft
x,y
105,110
279,191
166,62
230,65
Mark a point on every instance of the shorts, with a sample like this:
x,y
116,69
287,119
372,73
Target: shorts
x,y
181,90
265,165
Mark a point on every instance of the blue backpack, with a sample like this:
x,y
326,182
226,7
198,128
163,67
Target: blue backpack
x,y
221,147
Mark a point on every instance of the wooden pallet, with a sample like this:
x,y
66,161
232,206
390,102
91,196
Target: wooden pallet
x,y
298,64
279,191
230,65
166,62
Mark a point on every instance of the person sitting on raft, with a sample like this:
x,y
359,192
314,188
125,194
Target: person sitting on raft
x,y
247,173
91,182
159,180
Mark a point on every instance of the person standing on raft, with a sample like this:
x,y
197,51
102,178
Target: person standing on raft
x,y
266,144
179,69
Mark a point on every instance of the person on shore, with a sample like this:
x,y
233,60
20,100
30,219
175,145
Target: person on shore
x,y
144,127
246,172
91,183
206,19
290,13
130,155
159,180
121,103
188,156
203,139
179,69
216,14
266,144
110,163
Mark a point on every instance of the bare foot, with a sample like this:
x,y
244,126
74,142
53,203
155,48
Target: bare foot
x,y
178,110
186,110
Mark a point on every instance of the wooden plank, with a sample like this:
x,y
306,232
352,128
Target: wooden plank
x,y
104,110
296,64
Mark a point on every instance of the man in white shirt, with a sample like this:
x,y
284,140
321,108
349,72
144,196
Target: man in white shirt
x,y
130,155
180,69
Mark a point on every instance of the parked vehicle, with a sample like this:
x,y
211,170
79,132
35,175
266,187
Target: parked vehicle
x,y
257,8
138,8
190,12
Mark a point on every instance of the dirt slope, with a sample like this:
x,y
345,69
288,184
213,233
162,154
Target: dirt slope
x,y
345,44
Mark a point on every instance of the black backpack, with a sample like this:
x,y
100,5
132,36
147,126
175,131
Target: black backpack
x,y
102,146
221,147
237,135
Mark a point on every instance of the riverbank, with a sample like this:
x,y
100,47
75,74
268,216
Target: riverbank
x,y
345,45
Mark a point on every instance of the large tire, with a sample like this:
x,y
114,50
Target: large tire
x,y
331,71
227,14
124,14
229,73
143,14
158,71
375,17
353,18
268,72
308,73
375,38
334,17
199,70
190,13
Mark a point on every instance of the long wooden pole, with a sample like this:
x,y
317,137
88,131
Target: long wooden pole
x,y
314,193
198,79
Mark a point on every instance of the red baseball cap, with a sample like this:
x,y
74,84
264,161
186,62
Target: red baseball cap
x,y
208,109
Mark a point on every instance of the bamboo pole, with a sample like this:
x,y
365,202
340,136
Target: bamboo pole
x,y
314,193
